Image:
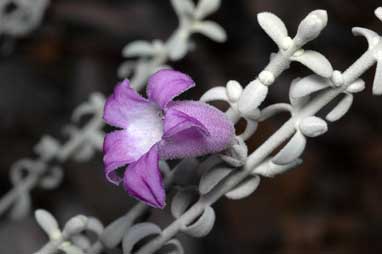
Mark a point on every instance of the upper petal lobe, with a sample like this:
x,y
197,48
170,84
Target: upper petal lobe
x,y
165,85
124,105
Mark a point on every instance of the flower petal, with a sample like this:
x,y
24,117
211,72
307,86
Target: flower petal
x,y
193,141
124,105
143,180
165,85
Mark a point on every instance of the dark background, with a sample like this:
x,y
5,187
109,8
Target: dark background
x,y
330,204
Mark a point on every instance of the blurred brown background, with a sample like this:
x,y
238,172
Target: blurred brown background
x,y
331,204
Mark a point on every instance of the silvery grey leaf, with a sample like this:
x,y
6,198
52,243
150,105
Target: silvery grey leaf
x,y
371,36
269,169
244,189
341,109
181,201
94,225
70,249
113,233
161,67
378,13
75,225
273,26
137,233
212,30
176,247
356,87
81,241
315,61
178,45
253,95
203,225
297,103
52,179
47,147
308,85
183,7
83,153
274,109
236,155
142,71
215,94
126,69
291,151
211,178
377,85
23,168
95,139
93,106
249,129
206,7
164,168
26,16
21,207
47,222
185,173
138,49
313,126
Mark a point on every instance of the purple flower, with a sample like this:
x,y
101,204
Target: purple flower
x,y
158,128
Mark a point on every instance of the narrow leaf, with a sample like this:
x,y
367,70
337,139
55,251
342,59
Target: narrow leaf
x,y
206,7
183,7
113,233
249,129
244,189
70,249
210,179
269,169
181,201
175,247
212,30
291,151
273,26
21,208
377,85
308,85
203,225
253,95
47,222
297,103
317,62
138,48
178,45
137,233
95,225
371,36
215,94
341,109
52,179
75,225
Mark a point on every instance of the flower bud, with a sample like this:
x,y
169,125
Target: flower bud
x,y
311,26
234,90
313,126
